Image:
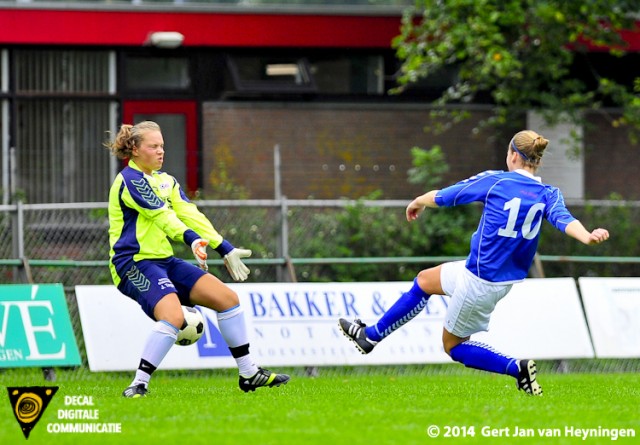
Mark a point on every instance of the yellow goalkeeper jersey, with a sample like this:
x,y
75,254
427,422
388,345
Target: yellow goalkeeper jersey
x,y
145,211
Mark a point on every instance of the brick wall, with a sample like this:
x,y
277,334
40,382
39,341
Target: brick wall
x,y
332,151
612,163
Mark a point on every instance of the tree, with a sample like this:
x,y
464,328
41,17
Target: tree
x,y
520,53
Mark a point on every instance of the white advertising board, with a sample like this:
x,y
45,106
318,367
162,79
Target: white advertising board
x,y
288,323
295,324
612,306
541,318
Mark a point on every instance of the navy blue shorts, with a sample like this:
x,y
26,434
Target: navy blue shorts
x,y
147,281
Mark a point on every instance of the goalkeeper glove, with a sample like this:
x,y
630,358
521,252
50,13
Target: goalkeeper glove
x,y
235,266
199,249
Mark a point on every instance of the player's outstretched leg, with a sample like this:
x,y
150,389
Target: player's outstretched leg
x,y
263,377
478,355
355,332
526,380
410,304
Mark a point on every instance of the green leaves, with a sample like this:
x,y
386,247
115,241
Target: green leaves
x,y
518,52
428,167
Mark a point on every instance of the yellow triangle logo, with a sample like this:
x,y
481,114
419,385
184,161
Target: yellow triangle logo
x,y
29,403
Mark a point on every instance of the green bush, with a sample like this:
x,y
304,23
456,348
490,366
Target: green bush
x,y
369,232
361,231
620,220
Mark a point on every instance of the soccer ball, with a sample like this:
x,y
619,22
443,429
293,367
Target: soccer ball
x,y
192,328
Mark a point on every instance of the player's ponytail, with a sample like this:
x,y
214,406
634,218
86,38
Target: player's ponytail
x,y
129,137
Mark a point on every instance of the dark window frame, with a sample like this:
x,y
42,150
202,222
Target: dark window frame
x,y
256,86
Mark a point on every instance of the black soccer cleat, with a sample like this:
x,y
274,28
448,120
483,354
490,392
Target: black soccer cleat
x,y
263,377
135,391
355,332
526,380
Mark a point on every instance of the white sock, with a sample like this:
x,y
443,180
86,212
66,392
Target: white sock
x,y
246,367
232,327
234,331
163,335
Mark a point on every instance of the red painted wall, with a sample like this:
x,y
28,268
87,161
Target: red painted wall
x,y
132,28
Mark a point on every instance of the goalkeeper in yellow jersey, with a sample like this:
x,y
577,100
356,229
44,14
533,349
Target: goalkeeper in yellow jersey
x,y
146,207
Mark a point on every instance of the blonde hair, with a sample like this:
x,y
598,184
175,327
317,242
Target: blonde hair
x,y
129,137
530,146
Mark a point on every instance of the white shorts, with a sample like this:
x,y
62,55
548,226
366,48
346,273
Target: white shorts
x,y
472,299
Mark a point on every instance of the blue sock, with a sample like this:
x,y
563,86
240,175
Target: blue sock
x,y
408,306
477,355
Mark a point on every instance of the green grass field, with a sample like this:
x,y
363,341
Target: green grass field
x,y
339,406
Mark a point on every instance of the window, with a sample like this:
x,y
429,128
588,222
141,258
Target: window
x,y
314,73
253,74
61,112
359,74
151,73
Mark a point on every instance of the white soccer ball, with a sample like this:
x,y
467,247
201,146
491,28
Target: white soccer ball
x,y
192,328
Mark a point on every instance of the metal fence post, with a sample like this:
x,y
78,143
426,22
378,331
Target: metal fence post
x,y
282,272
285,271
17,229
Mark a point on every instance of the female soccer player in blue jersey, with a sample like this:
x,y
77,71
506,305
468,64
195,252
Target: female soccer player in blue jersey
x,y
502,250
146,207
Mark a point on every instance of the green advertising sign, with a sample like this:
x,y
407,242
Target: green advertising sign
x,y
35,329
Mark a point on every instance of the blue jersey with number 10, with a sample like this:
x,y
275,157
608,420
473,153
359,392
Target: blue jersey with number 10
x,y
503,246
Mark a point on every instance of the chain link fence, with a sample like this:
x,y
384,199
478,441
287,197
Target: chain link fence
x,y
68,243
291,240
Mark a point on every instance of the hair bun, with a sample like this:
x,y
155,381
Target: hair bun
x,y
540,143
